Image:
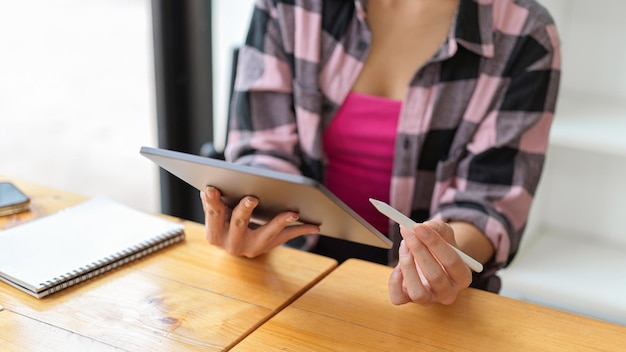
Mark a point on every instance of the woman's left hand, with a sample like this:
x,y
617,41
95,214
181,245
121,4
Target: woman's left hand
x,y
428,270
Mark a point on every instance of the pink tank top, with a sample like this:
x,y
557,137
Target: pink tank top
x,y
359,146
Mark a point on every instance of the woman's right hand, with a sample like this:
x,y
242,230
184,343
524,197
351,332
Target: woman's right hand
x,y
228,228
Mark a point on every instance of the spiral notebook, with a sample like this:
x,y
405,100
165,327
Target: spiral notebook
x,y
65,248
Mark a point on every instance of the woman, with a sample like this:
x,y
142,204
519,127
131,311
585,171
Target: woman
x,y
441,107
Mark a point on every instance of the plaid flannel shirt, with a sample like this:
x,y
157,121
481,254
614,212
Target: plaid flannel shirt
x,y
473,129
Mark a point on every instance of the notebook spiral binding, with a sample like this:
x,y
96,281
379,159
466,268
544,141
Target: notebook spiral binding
x,y
111,262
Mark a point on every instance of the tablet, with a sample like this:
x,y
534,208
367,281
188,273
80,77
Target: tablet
x,y
277,192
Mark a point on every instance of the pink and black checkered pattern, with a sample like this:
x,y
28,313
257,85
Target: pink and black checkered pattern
x,y
474,126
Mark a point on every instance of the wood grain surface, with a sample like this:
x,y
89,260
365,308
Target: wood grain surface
x,y
190,296
350,310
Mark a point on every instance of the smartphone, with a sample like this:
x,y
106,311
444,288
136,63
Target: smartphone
x,y
12,200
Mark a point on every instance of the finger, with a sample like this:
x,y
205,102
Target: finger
x,y
214,215
431,271
293,231
438,236
412,283
281,229
443,229
447,273
273,228
396,292
238,225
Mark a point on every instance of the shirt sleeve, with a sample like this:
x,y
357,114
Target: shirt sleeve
x,y
262,129
491,180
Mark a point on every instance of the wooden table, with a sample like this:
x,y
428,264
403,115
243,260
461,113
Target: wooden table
x,y
349,310
190,296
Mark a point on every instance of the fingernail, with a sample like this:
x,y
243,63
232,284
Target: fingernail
x,y
291,218
403,249
209,192
250,202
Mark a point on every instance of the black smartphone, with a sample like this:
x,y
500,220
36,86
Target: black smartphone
x,y
12,200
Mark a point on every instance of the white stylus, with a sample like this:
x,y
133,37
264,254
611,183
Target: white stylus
x,y
405,221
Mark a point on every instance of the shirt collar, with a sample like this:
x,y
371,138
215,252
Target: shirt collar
x,y
473,27
360,6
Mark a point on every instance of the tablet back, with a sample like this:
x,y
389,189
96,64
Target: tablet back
x,y
277,192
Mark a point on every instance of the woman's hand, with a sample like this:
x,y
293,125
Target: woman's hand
x,y
428,270
228,229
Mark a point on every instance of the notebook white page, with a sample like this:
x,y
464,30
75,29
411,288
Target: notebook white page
x,y
74,238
